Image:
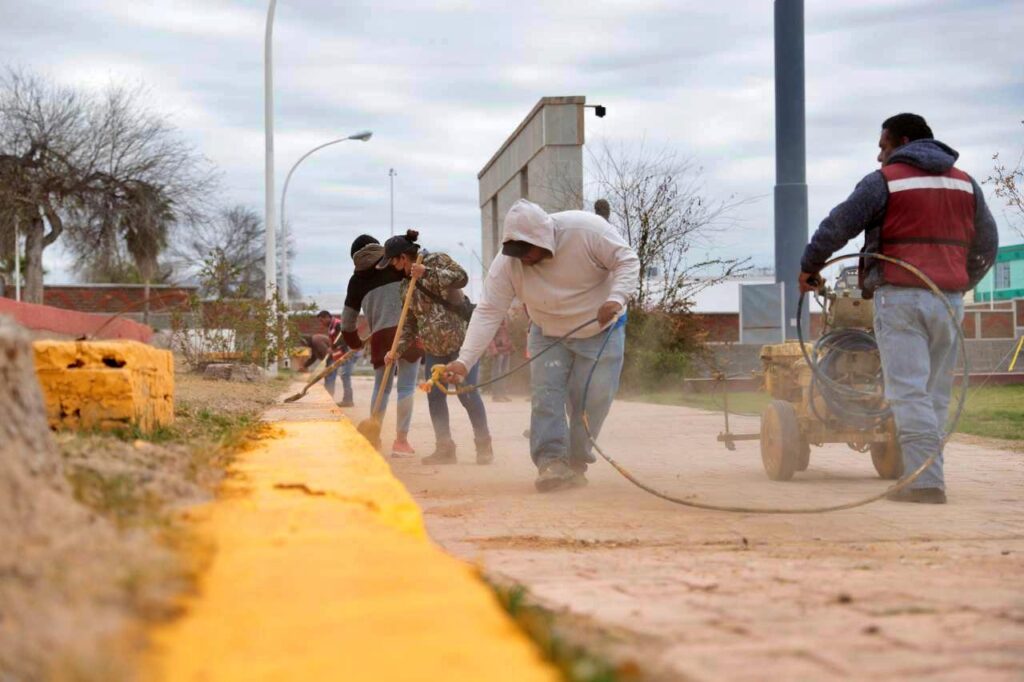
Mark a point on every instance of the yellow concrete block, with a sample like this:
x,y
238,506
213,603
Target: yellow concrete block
x,y
105,384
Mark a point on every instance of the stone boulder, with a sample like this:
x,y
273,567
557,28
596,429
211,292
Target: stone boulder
x,y
225,371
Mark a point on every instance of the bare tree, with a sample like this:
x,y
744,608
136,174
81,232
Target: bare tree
x,y
148,182
1008,184
226,254
44,152
102,170
660,204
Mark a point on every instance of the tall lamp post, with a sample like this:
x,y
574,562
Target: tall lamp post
x,y
362,136
391,176
269,222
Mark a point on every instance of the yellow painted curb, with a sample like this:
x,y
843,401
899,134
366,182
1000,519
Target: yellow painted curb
x,y
105,384
322,570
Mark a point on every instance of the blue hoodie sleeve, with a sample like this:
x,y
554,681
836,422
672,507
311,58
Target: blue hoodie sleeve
x,y
861,210
986,239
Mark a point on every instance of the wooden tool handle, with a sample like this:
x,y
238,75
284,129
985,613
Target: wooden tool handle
x,y
388,365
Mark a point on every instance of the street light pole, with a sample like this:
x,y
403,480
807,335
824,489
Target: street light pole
x,y
270,224
17,259
362,136
391,176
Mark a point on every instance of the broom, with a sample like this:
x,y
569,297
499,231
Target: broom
x,y
370,428
320,375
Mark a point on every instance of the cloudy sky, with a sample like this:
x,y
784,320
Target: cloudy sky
x,y
443,83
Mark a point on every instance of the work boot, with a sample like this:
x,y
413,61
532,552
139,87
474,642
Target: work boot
x,y
484,451
444,453
556,475
919,495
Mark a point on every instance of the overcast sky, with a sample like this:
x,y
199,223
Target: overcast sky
x,y
443,83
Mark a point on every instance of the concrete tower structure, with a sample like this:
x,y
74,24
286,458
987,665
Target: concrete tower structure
x,y
542,160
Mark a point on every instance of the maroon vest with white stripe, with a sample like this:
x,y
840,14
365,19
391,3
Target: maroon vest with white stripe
x,y
929,222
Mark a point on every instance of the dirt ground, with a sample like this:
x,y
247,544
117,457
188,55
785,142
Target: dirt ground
x,y
887,591
79,581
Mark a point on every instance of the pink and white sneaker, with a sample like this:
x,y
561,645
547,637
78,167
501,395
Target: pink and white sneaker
x,y
400,449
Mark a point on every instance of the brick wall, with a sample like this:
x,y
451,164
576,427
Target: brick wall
x,y
115,298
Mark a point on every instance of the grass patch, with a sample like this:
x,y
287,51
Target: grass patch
x,y
113,494
739,401
990,411
993,412
574,661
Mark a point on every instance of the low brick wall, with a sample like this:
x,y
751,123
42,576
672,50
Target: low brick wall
x,y
44,318
105,384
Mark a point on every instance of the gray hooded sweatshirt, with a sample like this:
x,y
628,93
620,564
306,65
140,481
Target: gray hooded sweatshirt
x,y
864,211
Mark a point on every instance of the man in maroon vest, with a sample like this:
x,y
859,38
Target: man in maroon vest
x,y
921,209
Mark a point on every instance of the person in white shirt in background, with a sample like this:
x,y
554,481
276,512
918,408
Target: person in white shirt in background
x,y
567,268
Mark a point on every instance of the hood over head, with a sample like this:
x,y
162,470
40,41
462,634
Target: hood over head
x,y
361,241
928,155
528,222
366,258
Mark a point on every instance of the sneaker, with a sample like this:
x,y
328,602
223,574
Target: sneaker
x,y
346,403
444,453
919,495
556,475
402,449
484,451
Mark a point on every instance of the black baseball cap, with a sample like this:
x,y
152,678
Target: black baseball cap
x,y
397,245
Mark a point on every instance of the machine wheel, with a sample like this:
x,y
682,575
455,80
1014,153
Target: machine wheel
x,y
804,459
888,459
780,440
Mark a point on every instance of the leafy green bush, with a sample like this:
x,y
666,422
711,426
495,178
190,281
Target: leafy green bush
x,y
660,348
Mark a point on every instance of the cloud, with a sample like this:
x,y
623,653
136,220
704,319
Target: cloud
x,y
443,83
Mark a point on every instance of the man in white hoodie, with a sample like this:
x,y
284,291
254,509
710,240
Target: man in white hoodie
x,y
567,268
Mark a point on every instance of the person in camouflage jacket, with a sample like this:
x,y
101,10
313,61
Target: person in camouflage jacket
x,y
438,318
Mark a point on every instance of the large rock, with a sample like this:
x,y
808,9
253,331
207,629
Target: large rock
x,y
224,371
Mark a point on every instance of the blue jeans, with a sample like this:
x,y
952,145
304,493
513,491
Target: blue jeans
x,y
557,382
406,373
346,379
918,345
500,365
438,402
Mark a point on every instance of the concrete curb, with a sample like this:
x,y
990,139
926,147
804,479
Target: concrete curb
x,y
323,571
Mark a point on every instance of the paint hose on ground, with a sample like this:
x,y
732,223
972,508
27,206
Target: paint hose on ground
x,y
437,372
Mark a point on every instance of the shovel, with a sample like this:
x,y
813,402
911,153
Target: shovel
x,y
370,428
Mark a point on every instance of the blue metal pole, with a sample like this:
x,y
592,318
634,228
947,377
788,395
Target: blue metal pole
x,y
790,154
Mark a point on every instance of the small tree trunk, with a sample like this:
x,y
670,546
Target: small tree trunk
x,y
145,302
33,265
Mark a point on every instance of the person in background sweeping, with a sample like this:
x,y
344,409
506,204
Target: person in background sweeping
x,y
923,210
377,294
567,268
438,316
500,353
331,346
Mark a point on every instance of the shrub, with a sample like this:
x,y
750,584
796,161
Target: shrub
x,y
660,348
